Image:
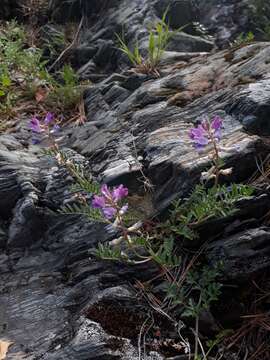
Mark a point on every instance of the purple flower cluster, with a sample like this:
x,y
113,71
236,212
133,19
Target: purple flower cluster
x,y
109,201
46,126
206,132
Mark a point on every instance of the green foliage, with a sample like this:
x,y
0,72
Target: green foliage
x,y
105,252
187,288
23,72
243,39
83,209
260,17
197,291
66,92
195,294
54,43
211,344
84,186
165,255
159,36
7,96
266,31
11,49
15,58
158,41
204,283
13,32
134,56
205,204
68,76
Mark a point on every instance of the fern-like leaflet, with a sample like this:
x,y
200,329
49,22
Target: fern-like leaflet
x,y
85,210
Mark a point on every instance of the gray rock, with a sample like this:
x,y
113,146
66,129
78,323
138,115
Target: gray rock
x,y
134,81
116,94
173,57
189,43
9,9
115,77
60,10
254,107
180,12
52,39
83,54
133,21
51,294
243,254
74,9
18,172
226,20
222,19
3,237
105,53
40,297
156,118
87,70
27,226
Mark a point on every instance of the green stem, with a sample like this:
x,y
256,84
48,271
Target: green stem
x,y
196,338
197,330
216,159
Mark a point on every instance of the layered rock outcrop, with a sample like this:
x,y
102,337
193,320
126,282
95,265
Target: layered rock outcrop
x,y
58,301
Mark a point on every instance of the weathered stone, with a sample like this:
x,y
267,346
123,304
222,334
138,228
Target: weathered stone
x,y
189,43
17,174
83,53
156,118
254,107
3,237
243,254
87,70
224,19
133,21
134,81
179,12
40,298
27,225
116,94
176,57
60,10
8,9
104,54
136,123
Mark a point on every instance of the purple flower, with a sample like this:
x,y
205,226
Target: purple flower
x,y
109,212
205,124
216,123
46,125
199,136
216,126
106,192
35,141
35,125
49,118
99,202
55,129
119,193
108,201
206,132
124,209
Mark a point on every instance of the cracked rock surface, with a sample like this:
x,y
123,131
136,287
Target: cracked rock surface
x,y
57,301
